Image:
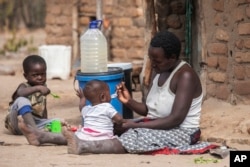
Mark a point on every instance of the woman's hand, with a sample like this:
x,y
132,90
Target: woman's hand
x,y
129,124
124,96
123,93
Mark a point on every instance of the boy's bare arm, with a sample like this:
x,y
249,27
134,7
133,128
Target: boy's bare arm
x,y
24,91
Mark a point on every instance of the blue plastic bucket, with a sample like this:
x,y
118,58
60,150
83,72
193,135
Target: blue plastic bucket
x,y
112,77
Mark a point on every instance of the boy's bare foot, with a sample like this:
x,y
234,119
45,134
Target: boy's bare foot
x,y
72,141
30,133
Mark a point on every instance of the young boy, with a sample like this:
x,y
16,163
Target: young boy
x,y
29,99
100,116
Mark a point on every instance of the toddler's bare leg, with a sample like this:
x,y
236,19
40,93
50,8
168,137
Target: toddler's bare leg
x,y
37,137
72,141
77,146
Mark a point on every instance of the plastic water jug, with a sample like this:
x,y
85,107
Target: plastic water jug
x,y
93,47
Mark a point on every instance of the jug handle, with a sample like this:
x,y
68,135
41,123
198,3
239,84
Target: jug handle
x,y
99,23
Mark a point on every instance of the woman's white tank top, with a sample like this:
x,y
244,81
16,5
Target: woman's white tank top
x,y
160,101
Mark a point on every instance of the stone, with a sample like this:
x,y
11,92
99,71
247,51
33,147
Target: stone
x,y
6,70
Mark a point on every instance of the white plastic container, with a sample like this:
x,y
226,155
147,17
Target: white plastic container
x,y
58,60
94,51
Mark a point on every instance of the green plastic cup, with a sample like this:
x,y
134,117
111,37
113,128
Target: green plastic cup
x,y
56,126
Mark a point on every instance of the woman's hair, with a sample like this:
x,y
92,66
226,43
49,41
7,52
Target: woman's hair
x,y
30,60
168,42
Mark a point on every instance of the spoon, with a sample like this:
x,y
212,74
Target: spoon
x,y
114,95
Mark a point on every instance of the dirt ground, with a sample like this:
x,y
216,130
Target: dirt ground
x,y
220,123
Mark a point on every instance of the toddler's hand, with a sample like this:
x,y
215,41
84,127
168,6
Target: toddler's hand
x,y
79,93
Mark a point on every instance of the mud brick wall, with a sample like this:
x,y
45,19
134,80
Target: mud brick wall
x,y
222,43
124,27
227,43
58,22
170,15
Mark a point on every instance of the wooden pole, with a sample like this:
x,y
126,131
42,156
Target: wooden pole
x,y
99,9
75,45
152,26
99,12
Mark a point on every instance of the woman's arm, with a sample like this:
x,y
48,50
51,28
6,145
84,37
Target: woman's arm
x,y
184,86
125,97
137,107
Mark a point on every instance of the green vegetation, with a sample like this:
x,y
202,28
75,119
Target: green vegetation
x,y
202,160
14,44
16,13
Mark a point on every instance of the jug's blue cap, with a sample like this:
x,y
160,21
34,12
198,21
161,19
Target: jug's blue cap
x,y
95,24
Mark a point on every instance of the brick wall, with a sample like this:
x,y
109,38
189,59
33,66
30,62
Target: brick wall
x,y
123,27
227,35
222,42
58,22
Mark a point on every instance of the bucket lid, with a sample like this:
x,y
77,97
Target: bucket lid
x,y
111,71
124,66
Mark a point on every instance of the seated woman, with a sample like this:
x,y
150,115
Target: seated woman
x,y
172,108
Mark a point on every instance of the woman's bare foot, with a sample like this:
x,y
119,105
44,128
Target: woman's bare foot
x,y
72,141
29,132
